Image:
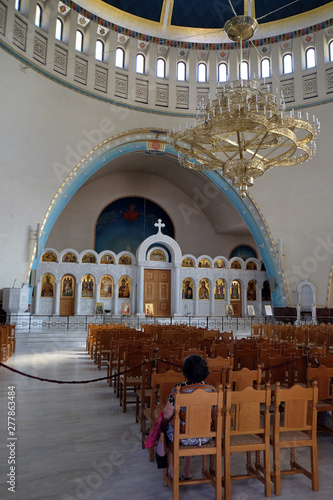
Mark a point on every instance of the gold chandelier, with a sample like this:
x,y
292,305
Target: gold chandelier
x,y
245,130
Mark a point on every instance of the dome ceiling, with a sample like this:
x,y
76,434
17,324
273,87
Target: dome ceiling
x,y
213,14
195,20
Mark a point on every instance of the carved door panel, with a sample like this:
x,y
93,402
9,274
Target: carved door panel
x,y
67,306
237,307
157,292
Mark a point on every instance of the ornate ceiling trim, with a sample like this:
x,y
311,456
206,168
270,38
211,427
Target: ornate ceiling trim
x,y
112,16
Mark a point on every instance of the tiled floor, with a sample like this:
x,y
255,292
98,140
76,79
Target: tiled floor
x,y
74,442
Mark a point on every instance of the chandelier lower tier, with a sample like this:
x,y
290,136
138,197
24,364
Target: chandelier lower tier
x,y
243,133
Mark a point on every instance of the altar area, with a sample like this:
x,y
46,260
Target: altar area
x,y
157,282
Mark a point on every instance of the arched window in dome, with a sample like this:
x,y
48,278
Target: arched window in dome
x,y
140,64
79,41
120,58
160,68
222,72
99,50
287,64
202,72
38,16
330,50
181,71
310,58
244,70
18,5
59,29
265,67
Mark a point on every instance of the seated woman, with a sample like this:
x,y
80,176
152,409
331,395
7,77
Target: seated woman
x,y
195,371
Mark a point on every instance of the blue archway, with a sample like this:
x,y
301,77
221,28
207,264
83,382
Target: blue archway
x,y
145,140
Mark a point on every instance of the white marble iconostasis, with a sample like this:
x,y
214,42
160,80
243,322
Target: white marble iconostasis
x,y
114,284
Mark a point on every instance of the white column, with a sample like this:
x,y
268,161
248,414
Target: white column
x,y
57,298
227,292
259,300
196,300
116,286
77,297
211,299
140,290
176,288
37,297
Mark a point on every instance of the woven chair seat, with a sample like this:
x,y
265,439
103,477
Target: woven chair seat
x,y
293,436
245,439
131,380
195,446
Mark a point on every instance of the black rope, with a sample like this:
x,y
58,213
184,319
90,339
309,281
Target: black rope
x,y
121,373
73,381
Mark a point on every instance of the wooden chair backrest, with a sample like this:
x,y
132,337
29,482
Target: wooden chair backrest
x,y
326,360
163,383
247,416
323,376
220,349
218,363
278,369
198,408
246,358
299,409
199,352
243,378
133,361
217,378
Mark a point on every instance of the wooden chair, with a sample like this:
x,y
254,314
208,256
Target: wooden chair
x,y
246,358
243,378
326,360
227,337
218,363
244,431
122,345
278,369
200,352
220,349
297,429
323,376
217,378
143,393
198,406
161,386
131,380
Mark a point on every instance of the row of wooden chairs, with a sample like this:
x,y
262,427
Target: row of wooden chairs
x,y
240,427
309,335
7,342
157,383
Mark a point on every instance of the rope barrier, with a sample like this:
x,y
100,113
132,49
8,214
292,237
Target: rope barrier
x,y
53,381
73,381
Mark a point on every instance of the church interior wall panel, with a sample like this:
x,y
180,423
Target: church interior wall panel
x,y
3,18
60,59
40,48
20,33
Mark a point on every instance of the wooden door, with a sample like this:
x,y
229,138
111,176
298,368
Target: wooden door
x,y
157,292
67,296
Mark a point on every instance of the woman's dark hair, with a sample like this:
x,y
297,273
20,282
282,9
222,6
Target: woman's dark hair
x,y
195,368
